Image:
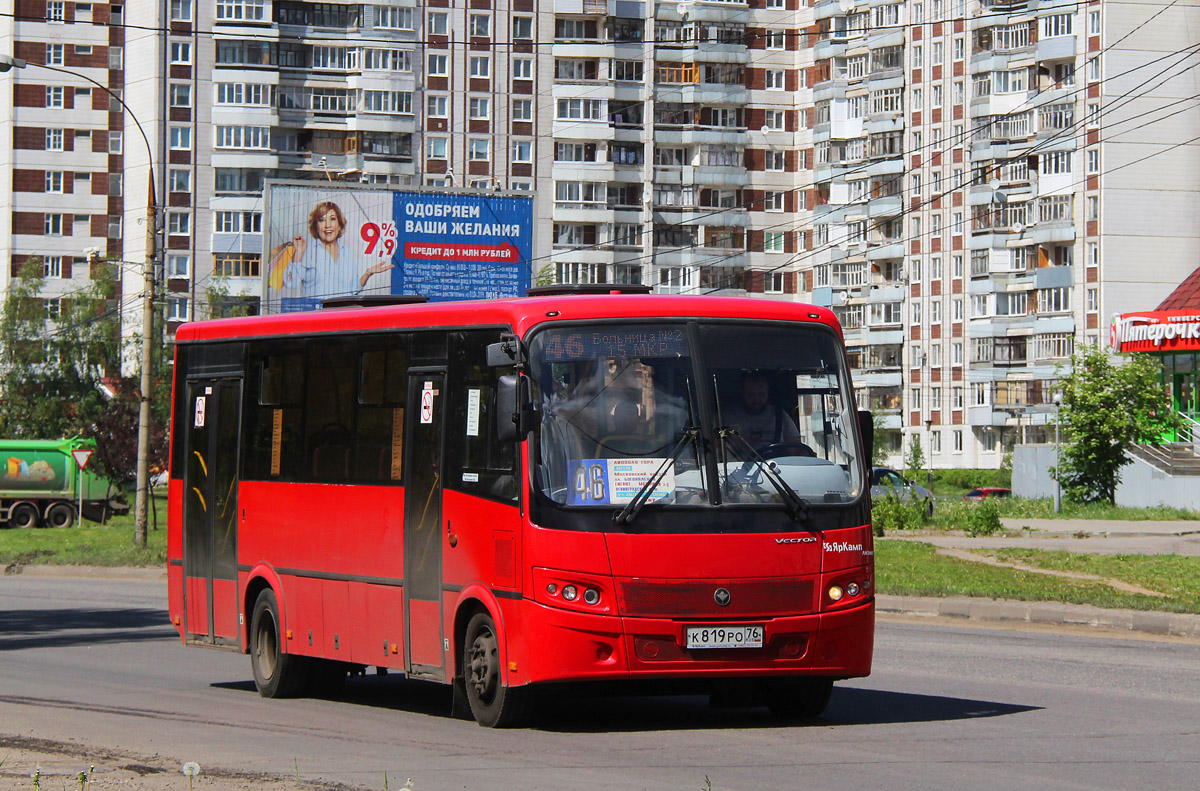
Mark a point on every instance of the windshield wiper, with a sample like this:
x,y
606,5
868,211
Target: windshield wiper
x,y
796,506
631,509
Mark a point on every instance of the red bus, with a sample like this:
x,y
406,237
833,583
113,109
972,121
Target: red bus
x,y
507,495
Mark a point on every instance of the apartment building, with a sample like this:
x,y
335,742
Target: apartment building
x,y
987,200
62,140
975,188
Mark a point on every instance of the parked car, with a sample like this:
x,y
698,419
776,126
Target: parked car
x,y
885,481
984,492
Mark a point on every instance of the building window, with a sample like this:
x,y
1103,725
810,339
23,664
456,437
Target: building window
x,y
181,94
480,24
54,54
437,106
181,138
439,23
177,308
56,11
773,201
522,110
438,65
776,79
178,265
435,148
958,441
236,264
54,181
1054,300
181,52
1056,25
480,67
522,151
54,96
479,149
774,119
241,10
1093,161
522,68
181,10
52,266
244,137
52,224
773,242
773,283
522,27
393,17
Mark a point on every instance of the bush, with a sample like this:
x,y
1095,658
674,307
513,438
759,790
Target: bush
x,y
890,513
983,519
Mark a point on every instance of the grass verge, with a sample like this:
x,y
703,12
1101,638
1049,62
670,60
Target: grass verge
x,y
88,544
910,568
951,512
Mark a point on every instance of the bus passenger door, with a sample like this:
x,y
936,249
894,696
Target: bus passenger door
x,y
423,524
210,511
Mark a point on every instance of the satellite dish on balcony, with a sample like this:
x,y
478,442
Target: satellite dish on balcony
x,y
764,129
846,6
1017,227
994,185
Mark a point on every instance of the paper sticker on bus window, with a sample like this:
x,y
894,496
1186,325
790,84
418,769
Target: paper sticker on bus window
x,y
198,421
276,441
427,404
473,412
615,481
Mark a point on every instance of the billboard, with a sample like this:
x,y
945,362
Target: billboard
x,y
323,241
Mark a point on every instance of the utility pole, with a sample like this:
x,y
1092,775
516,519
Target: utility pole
x,y
147,386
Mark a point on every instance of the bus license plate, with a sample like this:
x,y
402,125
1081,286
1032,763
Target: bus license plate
x,y
724,637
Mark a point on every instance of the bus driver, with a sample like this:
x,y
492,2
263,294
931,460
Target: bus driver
x,y
756,419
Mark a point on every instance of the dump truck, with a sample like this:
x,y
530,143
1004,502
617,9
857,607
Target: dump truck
x,y
42,484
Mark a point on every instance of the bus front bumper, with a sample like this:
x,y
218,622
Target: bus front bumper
x,y
555,645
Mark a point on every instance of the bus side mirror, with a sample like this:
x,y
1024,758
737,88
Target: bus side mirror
x,y
866,429
514,413
506,352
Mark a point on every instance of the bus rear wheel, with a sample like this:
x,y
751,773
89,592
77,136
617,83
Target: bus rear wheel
x,y
276,674
798,698
493,704
60,515
23,516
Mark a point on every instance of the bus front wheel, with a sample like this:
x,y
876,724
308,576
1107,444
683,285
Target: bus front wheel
x,y
798,698
493,704
276,674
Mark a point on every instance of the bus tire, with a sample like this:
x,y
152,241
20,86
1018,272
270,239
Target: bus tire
x,y
493,704
23,516
60,515
276,674
798,698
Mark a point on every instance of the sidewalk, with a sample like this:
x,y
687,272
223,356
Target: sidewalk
x,y
1043,613
1072,535
1101,537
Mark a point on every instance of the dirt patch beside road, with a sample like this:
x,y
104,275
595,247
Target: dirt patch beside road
x,y
60,764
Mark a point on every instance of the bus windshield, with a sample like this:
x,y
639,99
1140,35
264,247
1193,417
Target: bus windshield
x,y
694,414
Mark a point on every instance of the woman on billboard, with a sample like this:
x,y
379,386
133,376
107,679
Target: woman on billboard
x,y
323,269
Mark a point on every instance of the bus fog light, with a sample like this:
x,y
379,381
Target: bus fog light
x,y
552,589
852,589
835,593
570,592
591,596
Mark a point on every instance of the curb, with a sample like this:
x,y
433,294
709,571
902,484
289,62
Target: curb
x,y
1043,613
148,573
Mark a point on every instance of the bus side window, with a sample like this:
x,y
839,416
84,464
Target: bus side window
x,y
379,430
272,430
329,409
477,462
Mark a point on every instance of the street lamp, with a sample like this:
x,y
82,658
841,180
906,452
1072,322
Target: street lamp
x,y
147,381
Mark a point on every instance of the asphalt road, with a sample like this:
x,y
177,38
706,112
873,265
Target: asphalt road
x,y
949,706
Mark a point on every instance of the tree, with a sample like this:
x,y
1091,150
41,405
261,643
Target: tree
x,y
1106,408
55,354
914,459
59,370
879,453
